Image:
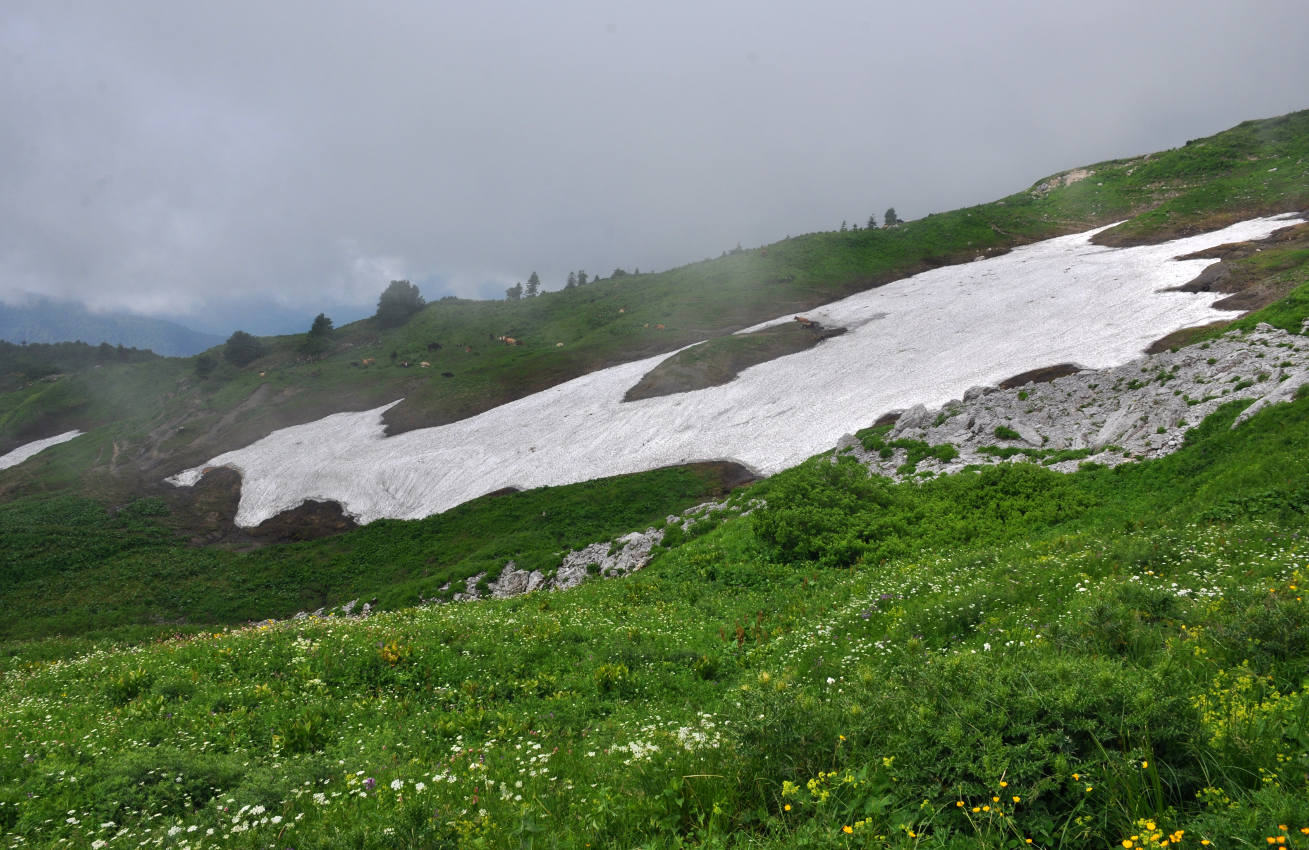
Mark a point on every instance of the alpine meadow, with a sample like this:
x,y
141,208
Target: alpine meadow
x,y
1062,608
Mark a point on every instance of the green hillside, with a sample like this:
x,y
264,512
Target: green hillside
x,y
975,661
149,423
1002,658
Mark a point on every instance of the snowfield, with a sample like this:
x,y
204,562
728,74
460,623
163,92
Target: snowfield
x,y
924,339
25,451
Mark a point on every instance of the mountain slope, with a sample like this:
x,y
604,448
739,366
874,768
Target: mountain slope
x,y
923,339
141,434
53,321
1000,658
1074,660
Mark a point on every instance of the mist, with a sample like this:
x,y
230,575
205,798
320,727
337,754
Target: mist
x,y
250,165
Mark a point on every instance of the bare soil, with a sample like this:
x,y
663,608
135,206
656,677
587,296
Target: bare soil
x,y
719,361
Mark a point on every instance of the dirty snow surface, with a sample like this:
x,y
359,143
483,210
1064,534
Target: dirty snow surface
x,y
23,452
923,340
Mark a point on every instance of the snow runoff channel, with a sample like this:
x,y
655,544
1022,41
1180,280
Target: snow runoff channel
x,y
924,339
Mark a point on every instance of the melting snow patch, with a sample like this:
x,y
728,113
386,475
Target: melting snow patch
x,y
923,340
23,452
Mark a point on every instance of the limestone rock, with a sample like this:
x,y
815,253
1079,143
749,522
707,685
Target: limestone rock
x,y
1141,408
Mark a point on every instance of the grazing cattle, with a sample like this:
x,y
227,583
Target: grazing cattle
x,y
447,374
804,322
434,346
354,363
468,349
262,374
369,361
559,345
659,327
424,365
404,363
509,340
622,309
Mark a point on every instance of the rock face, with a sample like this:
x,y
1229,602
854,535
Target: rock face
x,y
1141,409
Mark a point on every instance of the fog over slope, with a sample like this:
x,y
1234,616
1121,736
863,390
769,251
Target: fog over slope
x,y
924,339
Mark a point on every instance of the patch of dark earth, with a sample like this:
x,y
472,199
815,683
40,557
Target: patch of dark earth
x,y
719,361
1038,376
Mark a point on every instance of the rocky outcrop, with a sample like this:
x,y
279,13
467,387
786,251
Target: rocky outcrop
x,y
606,559
1141,409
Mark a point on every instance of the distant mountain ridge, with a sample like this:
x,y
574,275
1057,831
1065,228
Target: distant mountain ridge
x,y
63,321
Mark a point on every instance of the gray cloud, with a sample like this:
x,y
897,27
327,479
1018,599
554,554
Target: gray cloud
x,y
188,159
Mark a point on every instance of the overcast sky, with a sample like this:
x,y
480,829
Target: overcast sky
x,y
191,160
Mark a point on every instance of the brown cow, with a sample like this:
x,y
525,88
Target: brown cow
x,y
368,361
424,365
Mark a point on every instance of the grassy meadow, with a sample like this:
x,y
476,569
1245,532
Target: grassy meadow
x,y
1003,658
984,659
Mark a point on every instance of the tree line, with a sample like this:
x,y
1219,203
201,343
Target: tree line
x,y
889,219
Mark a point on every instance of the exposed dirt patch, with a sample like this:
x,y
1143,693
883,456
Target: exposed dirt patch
x,y
308,521
206,512
1250,285
1185,336
1130,234
730,475
719,361
1042,375
1284,237
889,418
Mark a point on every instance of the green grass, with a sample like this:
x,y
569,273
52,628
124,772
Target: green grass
x,y
122,570
1134,654
859,663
